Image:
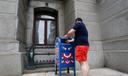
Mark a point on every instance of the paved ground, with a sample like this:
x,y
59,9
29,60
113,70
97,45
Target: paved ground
x,y
93,72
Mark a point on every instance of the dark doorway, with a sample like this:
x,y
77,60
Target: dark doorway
x,y
45,31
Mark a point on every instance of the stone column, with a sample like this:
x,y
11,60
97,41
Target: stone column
x,y
10,38
69,14
86,9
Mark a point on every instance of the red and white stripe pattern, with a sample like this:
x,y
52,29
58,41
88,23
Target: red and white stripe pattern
x,y
67,56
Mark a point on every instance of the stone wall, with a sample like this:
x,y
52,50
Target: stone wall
x,y
10,24
86,9
22,23
114,24
21,28
69,13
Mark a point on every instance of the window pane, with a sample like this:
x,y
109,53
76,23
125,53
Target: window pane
x,y
39,32
51,31
47,17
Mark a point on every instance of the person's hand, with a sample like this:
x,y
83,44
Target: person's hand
x,y
69,41
65,36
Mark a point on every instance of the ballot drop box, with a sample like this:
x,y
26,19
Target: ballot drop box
x,y
64,56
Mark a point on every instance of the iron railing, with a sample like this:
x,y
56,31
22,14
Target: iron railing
x,y
32,63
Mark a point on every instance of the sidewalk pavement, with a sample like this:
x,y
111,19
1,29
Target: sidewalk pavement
x,y
93,72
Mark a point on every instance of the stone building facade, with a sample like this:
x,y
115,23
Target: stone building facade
x,y
106,21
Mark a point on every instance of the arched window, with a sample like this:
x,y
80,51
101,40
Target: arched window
x,y
45,26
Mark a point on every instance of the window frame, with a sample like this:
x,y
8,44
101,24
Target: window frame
x,y
49,13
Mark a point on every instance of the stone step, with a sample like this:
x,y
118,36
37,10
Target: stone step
x,y
37,70
45,69
93,72
106,72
